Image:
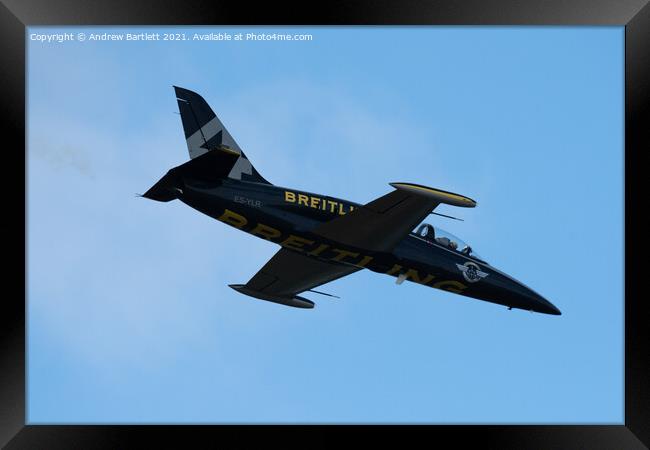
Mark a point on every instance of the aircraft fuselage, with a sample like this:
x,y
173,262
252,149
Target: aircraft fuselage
x,y
288,217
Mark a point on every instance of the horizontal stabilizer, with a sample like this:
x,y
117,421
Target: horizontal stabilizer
x,y
166,189
209,167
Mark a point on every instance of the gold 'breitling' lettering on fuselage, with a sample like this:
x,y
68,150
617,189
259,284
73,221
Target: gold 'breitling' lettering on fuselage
x,y
319,203
325,251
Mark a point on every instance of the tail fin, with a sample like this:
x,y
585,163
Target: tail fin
x,y
204,132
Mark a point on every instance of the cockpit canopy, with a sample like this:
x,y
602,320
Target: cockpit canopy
x,y
441,237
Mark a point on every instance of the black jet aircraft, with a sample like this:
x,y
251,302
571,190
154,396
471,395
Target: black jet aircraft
x,y
323,238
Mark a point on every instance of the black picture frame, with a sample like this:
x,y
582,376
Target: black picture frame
x,y
634,15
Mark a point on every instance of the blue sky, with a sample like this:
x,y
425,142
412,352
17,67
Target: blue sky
x,y
130,319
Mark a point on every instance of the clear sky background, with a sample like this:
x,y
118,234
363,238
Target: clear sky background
x,y
130,318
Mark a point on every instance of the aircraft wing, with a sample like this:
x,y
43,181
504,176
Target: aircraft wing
x,y
289,273
381,224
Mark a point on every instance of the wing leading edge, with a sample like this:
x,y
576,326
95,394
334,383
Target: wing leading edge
x,y
381,224
289,273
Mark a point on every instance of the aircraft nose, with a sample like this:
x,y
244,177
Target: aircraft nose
x,y
546,306
538,303
498,287
520,296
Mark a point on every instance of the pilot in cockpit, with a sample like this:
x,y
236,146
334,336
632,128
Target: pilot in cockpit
x,y
447,242
443,240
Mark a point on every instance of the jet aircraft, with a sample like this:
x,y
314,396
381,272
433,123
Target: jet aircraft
x,y
323,238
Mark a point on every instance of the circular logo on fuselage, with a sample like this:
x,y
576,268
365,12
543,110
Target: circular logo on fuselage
x,y
471,271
